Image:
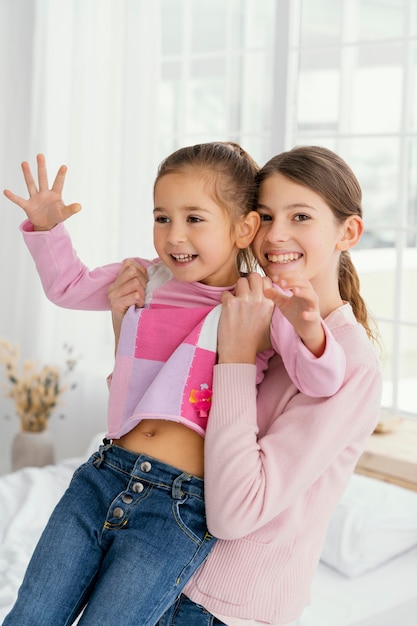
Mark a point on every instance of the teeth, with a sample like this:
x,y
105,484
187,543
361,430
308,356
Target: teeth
x,y
182,258
283,258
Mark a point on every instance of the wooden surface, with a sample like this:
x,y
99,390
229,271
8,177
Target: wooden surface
x,y
391,453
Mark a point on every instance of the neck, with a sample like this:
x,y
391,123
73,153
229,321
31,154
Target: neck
x,y
329,295
328,307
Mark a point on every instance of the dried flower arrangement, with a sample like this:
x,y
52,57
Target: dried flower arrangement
x,y
35,390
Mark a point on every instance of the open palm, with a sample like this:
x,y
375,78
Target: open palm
x,y
45,207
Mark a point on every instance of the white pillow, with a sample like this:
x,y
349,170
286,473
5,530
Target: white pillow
x,y
373,522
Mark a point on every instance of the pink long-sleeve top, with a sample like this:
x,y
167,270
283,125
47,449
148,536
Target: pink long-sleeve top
x,y
145,343
276,464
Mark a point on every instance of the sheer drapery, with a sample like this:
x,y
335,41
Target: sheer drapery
x,y
79,83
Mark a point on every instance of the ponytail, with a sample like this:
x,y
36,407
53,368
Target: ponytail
x,y
349,287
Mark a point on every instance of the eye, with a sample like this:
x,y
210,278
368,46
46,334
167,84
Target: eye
x,y
194,219
301,217
161,219
265,217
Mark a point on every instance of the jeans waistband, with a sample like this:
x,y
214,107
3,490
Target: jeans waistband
x,y
141,466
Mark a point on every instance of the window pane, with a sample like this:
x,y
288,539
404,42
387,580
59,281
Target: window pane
x,y
377,88
386,334
385,19
321,22
407,399
412,196
256,94
208,25
260,23
376,163
172,34
412,17
412,87
206,105
318,90
376,268
170,97
409,277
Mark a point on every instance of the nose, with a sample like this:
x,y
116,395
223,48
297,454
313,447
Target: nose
x,y
176,233
278,231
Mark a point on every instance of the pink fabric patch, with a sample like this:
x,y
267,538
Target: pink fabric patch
x,y
151,344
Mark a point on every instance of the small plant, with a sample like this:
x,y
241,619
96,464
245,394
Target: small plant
x,y
35,389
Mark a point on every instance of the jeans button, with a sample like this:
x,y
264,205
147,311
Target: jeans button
x,y
118,512
127,498
137,487
145,466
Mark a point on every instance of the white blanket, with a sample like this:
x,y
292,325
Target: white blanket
x,y
27,498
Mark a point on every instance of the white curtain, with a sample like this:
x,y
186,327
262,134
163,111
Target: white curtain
x,y
80,84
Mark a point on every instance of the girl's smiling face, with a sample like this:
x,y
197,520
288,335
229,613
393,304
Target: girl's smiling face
x,y
193,235
298,231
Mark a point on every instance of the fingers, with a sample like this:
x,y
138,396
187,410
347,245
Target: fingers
x,y
303,291
71,209
133,273
252,286
43,177
129,286
42,174
59,181
27,175
14,198
277,297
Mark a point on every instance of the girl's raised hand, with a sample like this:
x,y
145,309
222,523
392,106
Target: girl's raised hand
x,y
301,308
45,207
245,320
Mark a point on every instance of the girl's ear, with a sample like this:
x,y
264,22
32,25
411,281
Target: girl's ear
x,y
247,229
351,233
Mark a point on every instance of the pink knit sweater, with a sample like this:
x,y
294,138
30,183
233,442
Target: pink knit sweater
x,y
275,467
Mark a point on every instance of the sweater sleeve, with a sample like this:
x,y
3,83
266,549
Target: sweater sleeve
x,y
66,281
315,376
259,460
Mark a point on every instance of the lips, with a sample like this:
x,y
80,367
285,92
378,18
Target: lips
x,y
284,257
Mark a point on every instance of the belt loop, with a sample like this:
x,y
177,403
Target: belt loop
x,y
102,451
177,492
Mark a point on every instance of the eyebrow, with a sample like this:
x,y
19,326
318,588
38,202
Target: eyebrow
x,y
187,209
291,207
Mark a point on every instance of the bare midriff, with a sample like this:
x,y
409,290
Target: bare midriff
x,y
169,442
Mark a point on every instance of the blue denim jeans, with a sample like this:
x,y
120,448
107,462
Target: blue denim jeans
x,y
185,612
125,538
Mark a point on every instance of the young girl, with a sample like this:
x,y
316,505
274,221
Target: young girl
x,y
130,530
277,461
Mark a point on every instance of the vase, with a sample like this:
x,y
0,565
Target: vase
x,y
34,449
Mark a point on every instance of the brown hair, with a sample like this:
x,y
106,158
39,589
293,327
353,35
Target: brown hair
x,y
231,172
329,176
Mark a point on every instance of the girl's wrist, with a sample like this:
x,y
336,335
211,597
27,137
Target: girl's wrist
x,y
39,229
237,354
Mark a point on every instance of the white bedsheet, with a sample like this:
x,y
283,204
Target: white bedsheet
x,y
27,498
386,596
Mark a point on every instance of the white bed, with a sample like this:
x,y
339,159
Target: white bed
x,y
372,539
384,596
